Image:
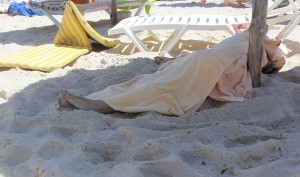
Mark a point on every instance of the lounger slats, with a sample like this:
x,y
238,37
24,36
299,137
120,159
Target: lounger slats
x,y
240,20
221,20
231,20
148,21
181,24
175,20
124,23
193,20
213,20
132,22
140,21
202,20
157,20
184,20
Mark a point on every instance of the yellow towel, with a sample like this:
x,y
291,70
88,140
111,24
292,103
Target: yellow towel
x,y
108,42
180,86
71,41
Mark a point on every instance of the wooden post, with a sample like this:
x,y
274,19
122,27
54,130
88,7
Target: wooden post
x,y
113,15
257,35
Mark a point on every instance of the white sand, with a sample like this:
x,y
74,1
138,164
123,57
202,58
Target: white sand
x,y
257,138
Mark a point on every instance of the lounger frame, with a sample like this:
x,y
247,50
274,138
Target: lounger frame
x,y
181,24
93,7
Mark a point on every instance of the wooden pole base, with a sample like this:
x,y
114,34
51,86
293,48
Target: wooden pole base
x,y
257,35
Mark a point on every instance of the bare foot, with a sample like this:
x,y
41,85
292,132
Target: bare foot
x,y
66,99
62,101
159,60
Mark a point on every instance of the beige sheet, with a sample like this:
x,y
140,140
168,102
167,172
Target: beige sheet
x,y
235,84
179,87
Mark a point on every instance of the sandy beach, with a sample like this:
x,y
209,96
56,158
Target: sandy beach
x,y
257,138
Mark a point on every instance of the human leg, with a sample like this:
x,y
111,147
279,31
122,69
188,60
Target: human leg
x,y
159,60
66,99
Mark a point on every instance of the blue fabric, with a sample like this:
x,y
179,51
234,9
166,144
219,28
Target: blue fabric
x,y
37,12
16,8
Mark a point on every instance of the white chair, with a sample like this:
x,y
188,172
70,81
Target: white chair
x,y
56,7
240,2
181,24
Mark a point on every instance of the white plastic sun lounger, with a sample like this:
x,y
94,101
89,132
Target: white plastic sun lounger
x,y
181,24
56,7
289,10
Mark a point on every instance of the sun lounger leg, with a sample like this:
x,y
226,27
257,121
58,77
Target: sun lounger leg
x,y
177,35
139,10
153,35
231,30
272,5
138,43
56,22
289,28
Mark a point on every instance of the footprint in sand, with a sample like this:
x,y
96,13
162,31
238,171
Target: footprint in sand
x,y
102,152
64,132
3,94
247,140
15,155
169,168
52,150
149,151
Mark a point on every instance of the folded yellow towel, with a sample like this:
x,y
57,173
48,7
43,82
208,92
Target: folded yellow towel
x,y
71,41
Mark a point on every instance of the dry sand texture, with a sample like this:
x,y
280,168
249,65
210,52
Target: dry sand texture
x,y
257,138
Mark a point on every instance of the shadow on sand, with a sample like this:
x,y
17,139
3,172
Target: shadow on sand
x,y
156,46
191,4
196,4
44,35
78,81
